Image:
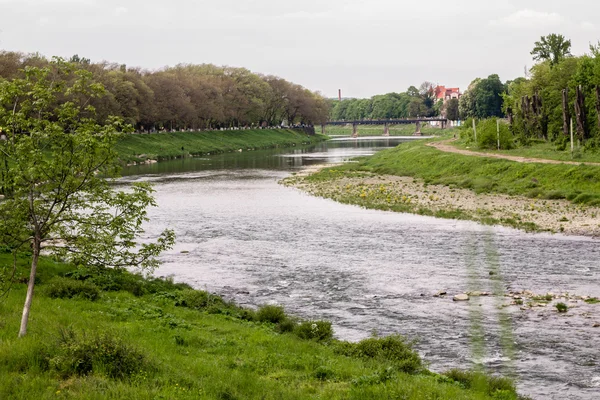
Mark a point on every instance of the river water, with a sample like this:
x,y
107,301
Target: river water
x,y
243,235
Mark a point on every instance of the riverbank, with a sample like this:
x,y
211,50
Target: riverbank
x,y
110,334
143,148
417,178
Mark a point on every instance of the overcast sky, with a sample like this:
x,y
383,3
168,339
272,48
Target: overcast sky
x,y
363,47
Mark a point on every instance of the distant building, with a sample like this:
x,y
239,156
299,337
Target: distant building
x,y
444,93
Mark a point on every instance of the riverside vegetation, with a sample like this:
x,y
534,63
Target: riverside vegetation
x,y
417,178
169,145
108,333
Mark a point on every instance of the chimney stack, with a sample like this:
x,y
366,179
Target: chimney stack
x,y
340,94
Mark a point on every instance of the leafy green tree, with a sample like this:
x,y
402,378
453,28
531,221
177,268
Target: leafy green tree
x,y
553,48
56,165
452,109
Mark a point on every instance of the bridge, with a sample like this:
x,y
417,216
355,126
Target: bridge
x,y
386,124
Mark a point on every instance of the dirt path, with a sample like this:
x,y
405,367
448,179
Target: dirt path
x,y
448,148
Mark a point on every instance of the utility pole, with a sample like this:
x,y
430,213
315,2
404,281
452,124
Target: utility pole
x,y
571,138
498,131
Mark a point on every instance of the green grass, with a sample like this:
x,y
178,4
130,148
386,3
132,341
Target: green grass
x,y
577,183
540,149
377,130
159,146
155,339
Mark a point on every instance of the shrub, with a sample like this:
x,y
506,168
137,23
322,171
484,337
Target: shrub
x,y
485,383
391,349
561,307
65,288
323,373
287,325
270,313
197,299
314,330
117,279
102,353
487,135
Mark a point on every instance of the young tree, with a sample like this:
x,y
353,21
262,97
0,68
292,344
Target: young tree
x,y
56,166
552,47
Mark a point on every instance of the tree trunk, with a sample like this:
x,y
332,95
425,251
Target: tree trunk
x,y
30,285
566,114
580,113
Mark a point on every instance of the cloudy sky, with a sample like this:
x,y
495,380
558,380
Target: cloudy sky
x,y
363,47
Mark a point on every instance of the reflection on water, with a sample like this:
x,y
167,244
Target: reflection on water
x,y
258,242
334,151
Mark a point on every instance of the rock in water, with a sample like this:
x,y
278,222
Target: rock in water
x,y
461,297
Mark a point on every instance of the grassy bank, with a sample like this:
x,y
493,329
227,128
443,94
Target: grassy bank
x,y
110,334
577,183
377,130
419,179
539,149
159,146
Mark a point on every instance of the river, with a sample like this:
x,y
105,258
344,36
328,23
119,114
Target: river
x,y
243,235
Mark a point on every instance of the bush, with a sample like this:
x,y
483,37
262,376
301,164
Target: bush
x,y
65,288
102,353
487,135
561,307
391,349
269,313
314,330
476,380
117,279
197,299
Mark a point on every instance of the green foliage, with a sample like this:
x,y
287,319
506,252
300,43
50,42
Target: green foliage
x,y
101,353
392,349
64,288
314,330
56,166
561,307
487,135
271,313
553,48
593,300
491,385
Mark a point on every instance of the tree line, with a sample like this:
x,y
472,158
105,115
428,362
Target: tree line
x,y
415,102
558,89
187,96
561,88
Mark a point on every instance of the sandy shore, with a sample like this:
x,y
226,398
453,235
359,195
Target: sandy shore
x,y
383,191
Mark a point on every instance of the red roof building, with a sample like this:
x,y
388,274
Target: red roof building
x,y
444,93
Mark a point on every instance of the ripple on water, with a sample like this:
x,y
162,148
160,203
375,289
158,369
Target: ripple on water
x,y
369,271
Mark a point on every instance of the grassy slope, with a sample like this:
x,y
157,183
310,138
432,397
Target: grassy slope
x,y
192,354
579,183
168,145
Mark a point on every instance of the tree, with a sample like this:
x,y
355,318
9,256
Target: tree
x,y
56,165
452,109
553,47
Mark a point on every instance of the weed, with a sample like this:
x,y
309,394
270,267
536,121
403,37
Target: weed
x,y
65,288
271,313
314,330
561,307
391,349
103,353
